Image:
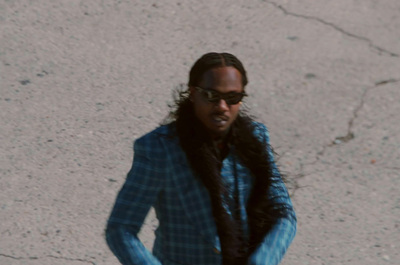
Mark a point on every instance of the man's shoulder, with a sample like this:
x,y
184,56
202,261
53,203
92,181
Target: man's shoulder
x,y
156,137
162,131
259,125
259,128
159,144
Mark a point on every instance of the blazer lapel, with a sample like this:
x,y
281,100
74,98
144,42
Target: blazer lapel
x,y
192,194
195,201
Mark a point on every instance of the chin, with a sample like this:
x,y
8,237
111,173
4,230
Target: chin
x,y
220,132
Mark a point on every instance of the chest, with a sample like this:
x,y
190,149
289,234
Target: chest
x,y
183,187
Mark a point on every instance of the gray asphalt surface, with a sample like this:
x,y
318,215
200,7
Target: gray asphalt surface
x,y
80,80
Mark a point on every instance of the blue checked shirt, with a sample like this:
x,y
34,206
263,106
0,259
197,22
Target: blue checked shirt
x,y
161,177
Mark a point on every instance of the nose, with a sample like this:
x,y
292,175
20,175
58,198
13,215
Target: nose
x,y
221,105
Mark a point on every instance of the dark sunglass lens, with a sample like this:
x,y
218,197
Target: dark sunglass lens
x,y
211,95
233,99
214,96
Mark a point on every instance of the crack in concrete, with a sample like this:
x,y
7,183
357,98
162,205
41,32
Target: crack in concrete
x,y
292,181
12,257
341,139
388,81
296,185
350,135
332,25
71,259
47,256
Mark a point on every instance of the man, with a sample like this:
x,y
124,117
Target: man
x,y
211,178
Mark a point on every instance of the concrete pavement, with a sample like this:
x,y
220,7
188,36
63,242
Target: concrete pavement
x,y
80,80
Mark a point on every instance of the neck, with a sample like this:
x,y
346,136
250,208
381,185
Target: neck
x,y
220,136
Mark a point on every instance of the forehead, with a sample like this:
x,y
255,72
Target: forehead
x,y
222,77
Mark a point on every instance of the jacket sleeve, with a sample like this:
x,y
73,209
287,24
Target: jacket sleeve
x,y
138,194
277,241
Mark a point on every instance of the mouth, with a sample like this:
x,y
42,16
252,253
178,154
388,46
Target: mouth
x,y
219,120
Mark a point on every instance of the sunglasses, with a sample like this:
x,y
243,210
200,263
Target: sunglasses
x,y
213,96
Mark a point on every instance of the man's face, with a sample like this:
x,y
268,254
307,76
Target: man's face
x,y
217,117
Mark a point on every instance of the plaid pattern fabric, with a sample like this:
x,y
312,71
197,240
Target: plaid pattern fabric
x,y
161,177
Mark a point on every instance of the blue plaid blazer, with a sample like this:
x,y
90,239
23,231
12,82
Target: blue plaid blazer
x,y
161,177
